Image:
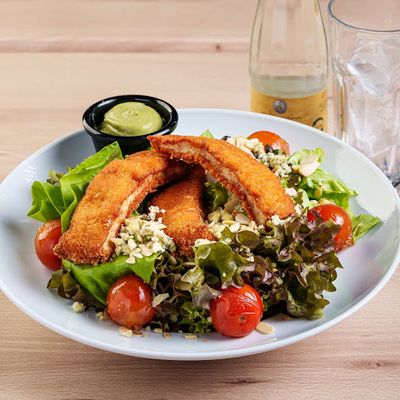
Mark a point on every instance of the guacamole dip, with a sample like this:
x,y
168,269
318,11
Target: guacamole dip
x,y
131,119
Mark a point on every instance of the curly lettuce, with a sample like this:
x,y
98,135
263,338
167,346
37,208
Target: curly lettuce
x,y
220,261
321,185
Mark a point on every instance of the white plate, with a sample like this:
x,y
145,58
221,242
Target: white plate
x,y
367,266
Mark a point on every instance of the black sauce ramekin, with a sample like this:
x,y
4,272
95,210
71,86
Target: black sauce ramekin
x,y
94,116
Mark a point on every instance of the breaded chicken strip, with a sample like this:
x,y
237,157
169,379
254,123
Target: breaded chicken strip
x,y
184,211
112,196
259,190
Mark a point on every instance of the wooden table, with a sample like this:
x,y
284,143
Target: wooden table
x,y
57,57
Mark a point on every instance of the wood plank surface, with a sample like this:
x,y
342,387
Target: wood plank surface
x,y
114,26
127,25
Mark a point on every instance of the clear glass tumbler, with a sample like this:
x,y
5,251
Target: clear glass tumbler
x,y
365,50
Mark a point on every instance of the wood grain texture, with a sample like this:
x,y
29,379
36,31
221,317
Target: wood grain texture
x,y
42,97
127,25
115,26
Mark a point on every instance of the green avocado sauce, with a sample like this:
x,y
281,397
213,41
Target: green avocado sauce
x,y
131,119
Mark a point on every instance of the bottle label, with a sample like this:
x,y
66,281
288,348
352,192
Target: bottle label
x,y
310,110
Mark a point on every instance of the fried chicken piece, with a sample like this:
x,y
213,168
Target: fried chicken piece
x,y
184,211
112,196
256,186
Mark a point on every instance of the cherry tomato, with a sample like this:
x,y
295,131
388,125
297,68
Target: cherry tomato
x,y
237,311
46,238
129,302
271,139
343,238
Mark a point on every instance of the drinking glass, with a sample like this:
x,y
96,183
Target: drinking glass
x,y
365,51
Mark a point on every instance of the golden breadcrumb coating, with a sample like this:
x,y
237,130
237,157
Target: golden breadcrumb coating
x,y
112,196
259,190
184,211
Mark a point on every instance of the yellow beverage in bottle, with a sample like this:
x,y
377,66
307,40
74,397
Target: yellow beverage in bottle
x,y
289,62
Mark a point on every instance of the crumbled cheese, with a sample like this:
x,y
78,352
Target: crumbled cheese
x,y
154,211
235,227
225,216
264,328
217,225
242,219
143,236
292,192
215,215
125,331
157,300
278,163
190,336
309,168
251,146
167,335
276,220
78,307
298,209
102,316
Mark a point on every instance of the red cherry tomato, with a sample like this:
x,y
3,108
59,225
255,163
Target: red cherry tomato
x,y
129,302
237,311
46,238
343,238
271,139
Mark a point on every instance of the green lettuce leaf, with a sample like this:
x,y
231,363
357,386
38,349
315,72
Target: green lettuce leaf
x,y
73,184
202,296
220,260
306,156
215,195
194,319
60,198
207,134
321,184
47,202
98,279
248,239
362,224
192,279
305,303
294,266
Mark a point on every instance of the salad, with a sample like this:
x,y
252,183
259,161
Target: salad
x,y
234,274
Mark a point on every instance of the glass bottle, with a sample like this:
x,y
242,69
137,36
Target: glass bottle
x,y
289,61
